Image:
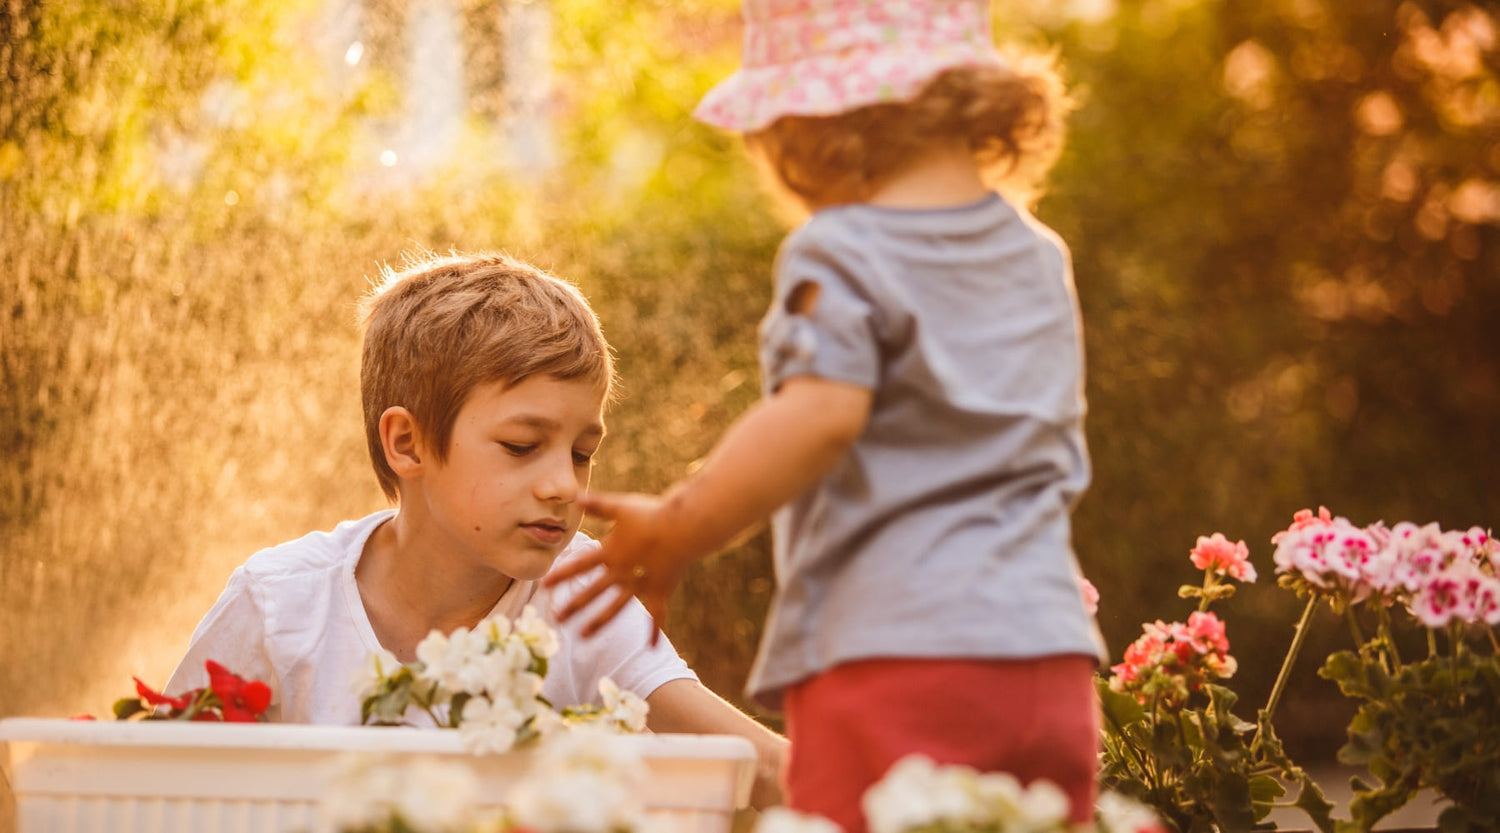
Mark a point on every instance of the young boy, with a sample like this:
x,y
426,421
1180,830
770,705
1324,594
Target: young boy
x,y
484,382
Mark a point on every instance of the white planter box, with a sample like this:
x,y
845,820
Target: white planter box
x,y
159,777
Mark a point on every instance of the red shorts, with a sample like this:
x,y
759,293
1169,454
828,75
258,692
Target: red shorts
x,y
1034,718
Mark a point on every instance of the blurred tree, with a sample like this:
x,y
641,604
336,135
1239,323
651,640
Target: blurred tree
x,y
1284,216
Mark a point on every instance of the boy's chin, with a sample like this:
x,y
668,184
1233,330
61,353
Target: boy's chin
x,y
532,564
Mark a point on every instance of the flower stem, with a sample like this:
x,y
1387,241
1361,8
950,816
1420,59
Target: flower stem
x,y
1298,637
1432,648
1389,641
1359,635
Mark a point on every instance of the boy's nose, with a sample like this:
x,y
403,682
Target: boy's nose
x,y
559,482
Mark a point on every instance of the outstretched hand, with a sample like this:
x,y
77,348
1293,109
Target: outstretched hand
x,y
639,556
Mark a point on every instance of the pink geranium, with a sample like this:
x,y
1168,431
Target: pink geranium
x,y
1173,659
1090,595
1329,555
1216,553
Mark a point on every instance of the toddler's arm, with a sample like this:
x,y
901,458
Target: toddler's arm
x,y
780,447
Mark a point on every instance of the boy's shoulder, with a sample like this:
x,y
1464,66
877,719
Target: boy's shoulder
x,y
315,552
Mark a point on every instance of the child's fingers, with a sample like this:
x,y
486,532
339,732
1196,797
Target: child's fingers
x,y
604,505
657,607
583,598
577,567
616,604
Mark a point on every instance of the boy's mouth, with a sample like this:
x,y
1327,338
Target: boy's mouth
x,y
546,530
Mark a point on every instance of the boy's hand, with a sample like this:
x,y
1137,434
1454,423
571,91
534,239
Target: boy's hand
x,y
638,556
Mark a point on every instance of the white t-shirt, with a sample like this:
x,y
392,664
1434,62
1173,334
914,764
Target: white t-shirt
x,y
292,617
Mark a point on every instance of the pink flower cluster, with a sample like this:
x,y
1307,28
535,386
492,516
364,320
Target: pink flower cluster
x,y
1173,660
1440,576
1217,554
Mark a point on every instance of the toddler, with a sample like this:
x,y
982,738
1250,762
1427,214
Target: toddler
x,y
921,436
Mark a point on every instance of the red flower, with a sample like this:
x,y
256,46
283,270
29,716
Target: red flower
x,y
156,698
240,701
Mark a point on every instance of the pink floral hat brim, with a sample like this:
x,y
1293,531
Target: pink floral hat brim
x,y
822,57
825,85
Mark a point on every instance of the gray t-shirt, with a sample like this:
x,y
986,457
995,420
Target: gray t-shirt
x,y
945,531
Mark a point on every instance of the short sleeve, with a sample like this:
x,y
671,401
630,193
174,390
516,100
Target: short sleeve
x,y
823,321
232,634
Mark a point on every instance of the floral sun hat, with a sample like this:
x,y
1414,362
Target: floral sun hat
x,y
822,57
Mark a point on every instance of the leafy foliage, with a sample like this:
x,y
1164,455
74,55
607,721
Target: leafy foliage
x,y
1192,764
1433,723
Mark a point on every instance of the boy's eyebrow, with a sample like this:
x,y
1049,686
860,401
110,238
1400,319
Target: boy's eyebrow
x,y
549,424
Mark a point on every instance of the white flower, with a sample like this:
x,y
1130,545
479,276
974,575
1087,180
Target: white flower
x,y
1120,814
590,747
786,820
450,661
364,791
573,802
916,792
1044,806
585,780
496,628
547,723
489,726
624,707
356,793
537,634
377,667
437,796
498,672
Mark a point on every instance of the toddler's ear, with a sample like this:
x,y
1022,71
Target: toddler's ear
x,y
399,441
803,298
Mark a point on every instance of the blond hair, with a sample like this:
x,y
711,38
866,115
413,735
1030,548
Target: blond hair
x,y
1010,116
442,326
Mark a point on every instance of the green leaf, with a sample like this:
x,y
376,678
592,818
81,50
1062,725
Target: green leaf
x,y
1350,672
387,708
1310,800
1118,709
127,707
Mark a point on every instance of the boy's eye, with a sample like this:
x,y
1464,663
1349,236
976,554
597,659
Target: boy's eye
x,y
519,448
583,458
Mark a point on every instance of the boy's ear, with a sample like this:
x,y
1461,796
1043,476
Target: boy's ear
x,y
400,440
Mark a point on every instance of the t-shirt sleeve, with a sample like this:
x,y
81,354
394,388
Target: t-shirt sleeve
x,y
823,321
232,634
621,650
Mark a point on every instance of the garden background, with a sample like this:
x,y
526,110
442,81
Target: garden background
x,y
1284,216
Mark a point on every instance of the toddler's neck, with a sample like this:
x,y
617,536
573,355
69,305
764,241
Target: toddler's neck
x,y
943,177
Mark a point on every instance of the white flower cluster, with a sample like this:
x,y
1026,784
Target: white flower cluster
x,y
492,678
487,683
586,780
918,794
365,792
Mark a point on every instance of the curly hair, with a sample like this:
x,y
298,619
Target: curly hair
x,y
1011,117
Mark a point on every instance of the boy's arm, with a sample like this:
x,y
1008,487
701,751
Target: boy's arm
x,y
780,448
687,707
